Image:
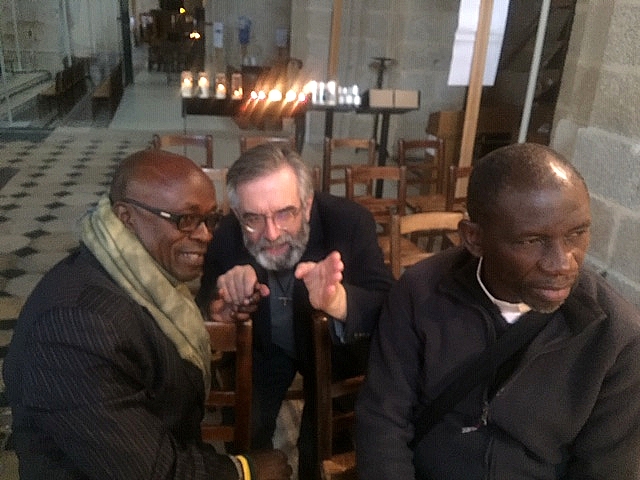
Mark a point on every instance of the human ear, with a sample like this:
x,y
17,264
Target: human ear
x,y
308,206
121,210
471,235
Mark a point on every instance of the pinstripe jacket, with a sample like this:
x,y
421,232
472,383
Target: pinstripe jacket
x,y
98,391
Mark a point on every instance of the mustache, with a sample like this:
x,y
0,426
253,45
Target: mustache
x,y
285,239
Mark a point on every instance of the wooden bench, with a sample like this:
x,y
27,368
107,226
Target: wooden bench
x,y
68,87
108,93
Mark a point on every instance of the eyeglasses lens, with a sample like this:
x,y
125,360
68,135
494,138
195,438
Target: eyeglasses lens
x,y
188,223
282,219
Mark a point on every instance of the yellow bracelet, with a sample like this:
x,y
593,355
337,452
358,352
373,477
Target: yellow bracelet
x,y
246,471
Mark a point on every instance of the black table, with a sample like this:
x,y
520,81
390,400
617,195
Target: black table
x,y
382,144
250,109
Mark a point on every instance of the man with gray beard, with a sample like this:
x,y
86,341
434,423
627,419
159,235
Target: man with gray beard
x,y
287,251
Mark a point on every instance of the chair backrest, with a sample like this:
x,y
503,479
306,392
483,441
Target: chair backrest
x,y
166,141
425,159
383,207
458,181
219,178
340,466
404,252
316,176
231,337
248,142
329,164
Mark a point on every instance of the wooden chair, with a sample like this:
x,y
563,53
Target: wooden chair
x,y
340,466
382,207
407,248
333,144
248,142
168,141
219,178
453,199
231,337
424,159
457,188
316,175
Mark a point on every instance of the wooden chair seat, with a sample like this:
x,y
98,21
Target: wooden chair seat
x,y
411,253
453,199
424,159
406,247
435,202
383,207
330,166
341,466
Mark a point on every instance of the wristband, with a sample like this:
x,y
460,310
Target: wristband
x,y
246,469
238,466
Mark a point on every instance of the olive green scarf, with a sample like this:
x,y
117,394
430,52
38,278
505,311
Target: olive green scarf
x,y
169,301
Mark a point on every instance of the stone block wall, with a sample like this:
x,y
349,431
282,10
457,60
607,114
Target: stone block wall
x,y
597,126
417,34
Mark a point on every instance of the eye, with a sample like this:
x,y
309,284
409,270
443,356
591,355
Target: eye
x,y
578,233
285,214
530,241
189,221
251,219
578,236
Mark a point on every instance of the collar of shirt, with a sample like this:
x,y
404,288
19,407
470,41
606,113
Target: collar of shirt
x,y
510,311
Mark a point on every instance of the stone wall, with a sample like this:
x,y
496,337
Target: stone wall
x,y
417,34
597,126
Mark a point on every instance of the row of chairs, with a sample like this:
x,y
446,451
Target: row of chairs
x,y
205,142
404,238
408,237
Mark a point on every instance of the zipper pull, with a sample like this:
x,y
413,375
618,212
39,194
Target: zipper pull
x,y
481,423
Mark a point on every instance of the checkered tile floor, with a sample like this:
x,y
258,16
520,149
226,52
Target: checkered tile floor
x,y
53,183
45,188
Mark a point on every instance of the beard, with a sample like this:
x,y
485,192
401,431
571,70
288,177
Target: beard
x,y
297,246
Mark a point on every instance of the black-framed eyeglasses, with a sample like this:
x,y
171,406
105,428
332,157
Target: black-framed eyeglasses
x,y
185,222
257,222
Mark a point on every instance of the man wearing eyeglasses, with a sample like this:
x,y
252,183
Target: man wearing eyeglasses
x,y
109,363
291,251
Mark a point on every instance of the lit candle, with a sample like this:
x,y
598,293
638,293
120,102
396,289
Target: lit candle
x,y
290,96
236,86
221,86
203,86
274,95
187,86
221,91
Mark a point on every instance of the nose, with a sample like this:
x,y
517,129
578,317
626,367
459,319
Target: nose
x,y
271,230
559,258
202,233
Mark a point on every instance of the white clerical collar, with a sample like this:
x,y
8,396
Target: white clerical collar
x,y
510,311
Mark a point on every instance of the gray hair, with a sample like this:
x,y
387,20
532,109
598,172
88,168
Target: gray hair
x,y
263,160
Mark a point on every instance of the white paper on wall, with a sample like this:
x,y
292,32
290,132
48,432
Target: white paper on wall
x,y
218,34
465,41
